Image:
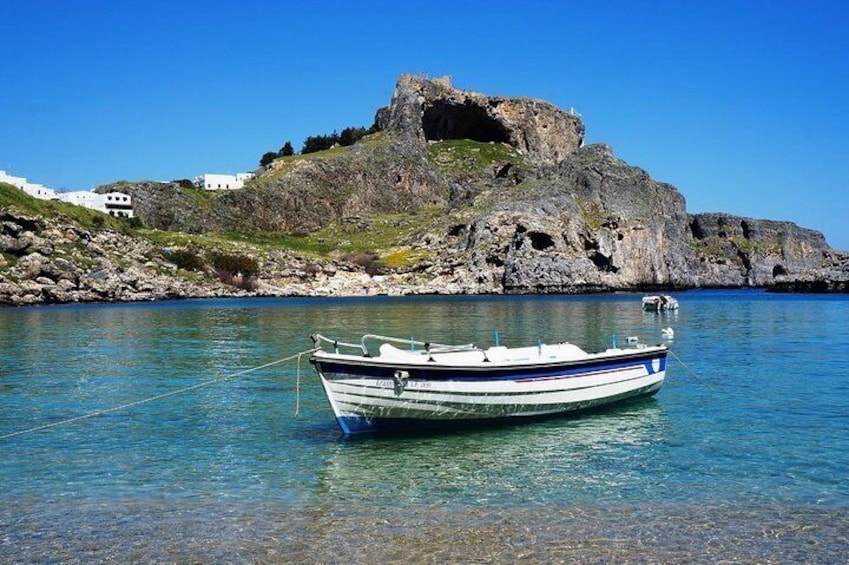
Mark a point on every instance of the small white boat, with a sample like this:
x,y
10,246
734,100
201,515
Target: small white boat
x,y
426,384
659,302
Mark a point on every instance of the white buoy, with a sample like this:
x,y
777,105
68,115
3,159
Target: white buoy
x,y
668,333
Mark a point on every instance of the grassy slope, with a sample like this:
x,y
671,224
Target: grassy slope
x,y
464,156
83,217
386,235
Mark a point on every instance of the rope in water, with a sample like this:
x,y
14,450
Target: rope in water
x,y
689,370
172,393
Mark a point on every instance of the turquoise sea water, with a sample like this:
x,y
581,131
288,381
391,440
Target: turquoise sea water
x,y
743,456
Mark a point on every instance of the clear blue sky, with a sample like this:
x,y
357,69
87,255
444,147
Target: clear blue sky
x,y
744,106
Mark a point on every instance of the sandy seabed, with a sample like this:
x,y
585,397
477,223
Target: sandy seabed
x,y
192,531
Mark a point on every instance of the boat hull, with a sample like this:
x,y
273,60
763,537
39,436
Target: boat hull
x,y
368,395
659,303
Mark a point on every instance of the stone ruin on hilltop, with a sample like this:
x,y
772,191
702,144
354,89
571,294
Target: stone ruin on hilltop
x,y
432,110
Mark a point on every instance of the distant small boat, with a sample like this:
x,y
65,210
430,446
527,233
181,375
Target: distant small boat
x,y
659,302
427,384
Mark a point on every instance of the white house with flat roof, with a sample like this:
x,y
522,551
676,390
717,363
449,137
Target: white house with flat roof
x,y
118,204
215,181
115,204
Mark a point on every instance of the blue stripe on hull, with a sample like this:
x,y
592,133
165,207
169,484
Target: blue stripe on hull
x,y
357,425
652,369
334,370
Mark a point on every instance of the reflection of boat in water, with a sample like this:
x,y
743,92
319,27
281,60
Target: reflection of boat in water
x,y
659,302
559,457
463,385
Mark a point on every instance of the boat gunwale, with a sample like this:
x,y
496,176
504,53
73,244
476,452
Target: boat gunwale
x,y
645,353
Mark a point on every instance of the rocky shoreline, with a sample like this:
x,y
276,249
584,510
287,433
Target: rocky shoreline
x,y
46,261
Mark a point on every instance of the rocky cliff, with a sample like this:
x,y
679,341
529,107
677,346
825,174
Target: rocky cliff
x,y
494,194
741,252
592,223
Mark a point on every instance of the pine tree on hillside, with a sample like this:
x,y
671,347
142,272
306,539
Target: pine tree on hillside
x,y
267,158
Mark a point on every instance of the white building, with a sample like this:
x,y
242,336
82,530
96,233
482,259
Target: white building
x,y
118,204
213,181
33,189
113,203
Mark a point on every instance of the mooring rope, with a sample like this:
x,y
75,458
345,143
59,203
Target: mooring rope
x,y
298,384
172,393
689,370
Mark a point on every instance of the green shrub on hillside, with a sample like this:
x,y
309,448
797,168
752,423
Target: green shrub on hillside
x,y
367,260
184,259
183,183
267,158
133,223
236,270
235,265
316,143
467,156
287,150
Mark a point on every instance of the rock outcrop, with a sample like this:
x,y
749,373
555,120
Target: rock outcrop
x,y
431,110
831,277
383,174
745,252
165,206
593,224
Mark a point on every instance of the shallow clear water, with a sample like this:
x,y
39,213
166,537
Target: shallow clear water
x,y
743,455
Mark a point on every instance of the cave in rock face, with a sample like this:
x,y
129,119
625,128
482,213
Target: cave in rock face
x,y
445,120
